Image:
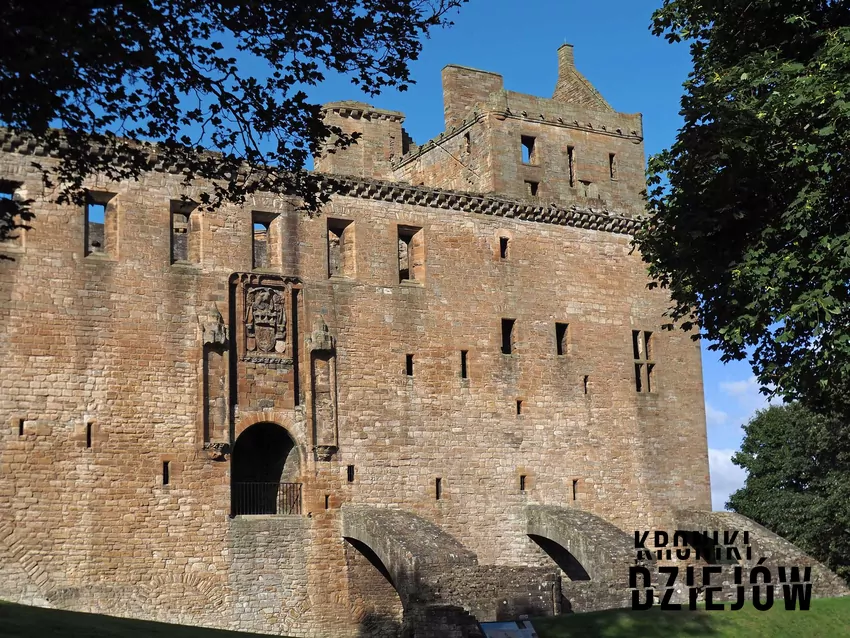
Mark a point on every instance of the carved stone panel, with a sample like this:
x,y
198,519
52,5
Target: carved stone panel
x,y
266,316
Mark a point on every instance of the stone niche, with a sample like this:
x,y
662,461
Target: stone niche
x,y
323,392
215,341
265,319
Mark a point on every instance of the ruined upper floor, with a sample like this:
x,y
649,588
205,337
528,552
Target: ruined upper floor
x,y
572,148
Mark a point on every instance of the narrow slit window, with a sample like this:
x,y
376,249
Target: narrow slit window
x,y
467,143
411,254
638,375
464,371
561,337
575,489
20,427
438,488
519,407
508,336
649,370
532,189
166,472
522,483
529,154
327,501
612,165
408,365
586,380
88,434
571,161
503,247
350,473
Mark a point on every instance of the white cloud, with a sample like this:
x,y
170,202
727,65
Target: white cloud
x,y
745,395
715,416
726,477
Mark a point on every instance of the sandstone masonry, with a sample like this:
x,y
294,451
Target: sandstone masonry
x,y
392,417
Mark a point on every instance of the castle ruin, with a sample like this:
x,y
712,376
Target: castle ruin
x,y
445,399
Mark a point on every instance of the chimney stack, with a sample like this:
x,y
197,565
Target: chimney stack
x,y
566,60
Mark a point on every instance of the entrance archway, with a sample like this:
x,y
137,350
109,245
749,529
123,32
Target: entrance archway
x,y
265,468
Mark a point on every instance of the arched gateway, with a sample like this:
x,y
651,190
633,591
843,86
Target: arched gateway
x,y
265,471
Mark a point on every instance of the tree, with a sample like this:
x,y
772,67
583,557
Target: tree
x,y
749,210
798,482
117,88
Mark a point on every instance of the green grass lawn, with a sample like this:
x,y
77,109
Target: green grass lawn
x,y
827,618
20,621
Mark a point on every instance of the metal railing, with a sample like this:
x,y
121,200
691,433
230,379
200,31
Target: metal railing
x,y
266,498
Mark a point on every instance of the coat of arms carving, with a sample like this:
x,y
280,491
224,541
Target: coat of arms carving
x,y
265,320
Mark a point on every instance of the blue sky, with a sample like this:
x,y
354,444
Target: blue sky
x,y
634,70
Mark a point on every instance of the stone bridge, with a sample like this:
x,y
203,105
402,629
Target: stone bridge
x,y
592,553
443,589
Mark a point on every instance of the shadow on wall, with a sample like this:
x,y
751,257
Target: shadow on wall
x,y
625,623
376,625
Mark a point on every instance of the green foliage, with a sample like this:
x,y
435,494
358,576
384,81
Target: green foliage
x,y
798,482
749,224
143,83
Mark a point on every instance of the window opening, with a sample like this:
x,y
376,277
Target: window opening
x,y
508,336
561,337
529,156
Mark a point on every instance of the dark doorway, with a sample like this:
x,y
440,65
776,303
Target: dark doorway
x,y
264,469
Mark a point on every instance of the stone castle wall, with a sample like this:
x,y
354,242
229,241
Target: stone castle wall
x,y
120,362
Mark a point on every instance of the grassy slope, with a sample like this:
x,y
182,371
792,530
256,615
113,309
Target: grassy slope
x,y
827,618
19,621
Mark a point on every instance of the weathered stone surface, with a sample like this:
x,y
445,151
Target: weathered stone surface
x,y
148,402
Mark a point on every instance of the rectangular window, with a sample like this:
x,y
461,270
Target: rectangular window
x,y
438,487
529,155
20,427
101,224
532,189
411,254
575,489
644,365
586,380
327,501
88,434
166,472
508,336
561,338
522,483
464,373
185,232
571,161
409,365
503,247
612,165
341,248
519,407
8,210
265,240
350,472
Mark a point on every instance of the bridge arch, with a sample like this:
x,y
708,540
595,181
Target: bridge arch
x,y
583,545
